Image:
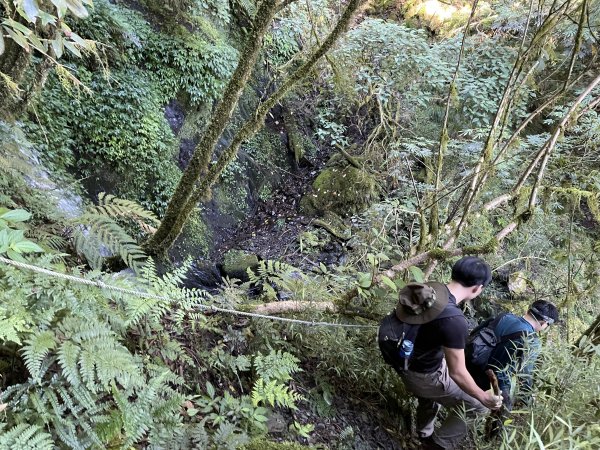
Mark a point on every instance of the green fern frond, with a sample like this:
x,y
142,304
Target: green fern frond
x,y
117,364
277,365
47,239
228,436
115,207
275,394
11,327
25,436
102,237
68,356
36,349
248,7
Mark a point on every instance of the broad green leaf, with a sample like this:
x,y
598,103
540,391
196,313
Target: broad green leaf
x,y
37,44
417,274
382,256
19,38
17,26
61,7
4,241
72,48
16,215
15,256
31,10
47,18
399,283
78,40
15,236
57,46
210,389
77,8
27,247
323,267
389,283
364,279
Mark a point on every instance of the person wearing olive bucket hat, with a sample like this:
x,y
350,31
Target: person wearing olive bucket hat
x,y
436,372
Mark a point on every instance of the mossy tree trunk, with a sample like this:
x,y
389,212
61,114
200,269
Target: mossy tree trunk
x,y
13,65
220,118
591,335
187,194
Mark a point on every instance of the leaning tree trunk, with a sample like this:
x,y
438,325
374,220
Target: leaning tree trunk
x,y
220,118
188,195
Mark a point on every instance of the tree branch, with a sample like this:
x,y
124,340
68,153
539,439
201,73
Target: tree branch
x,y
444,137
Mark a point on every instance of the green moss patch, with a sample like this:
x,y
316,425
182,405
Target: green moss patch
x,y
236,262
344,191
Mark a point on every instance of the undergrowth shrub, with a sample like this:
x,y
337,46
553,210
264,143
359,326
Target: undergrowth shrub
x,y
116,137
70,368
564,412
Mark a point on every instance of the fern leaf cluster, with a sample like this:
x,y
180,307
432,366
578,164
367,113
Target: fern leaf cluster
x,y
100,232
32,437
88,386
277,365
275,394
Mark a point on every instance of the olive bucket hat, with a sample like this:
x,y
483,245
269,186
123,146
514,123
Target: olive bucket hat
x,y
419,303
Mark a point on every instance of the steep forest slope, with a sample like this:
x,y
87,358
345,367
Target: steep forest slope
x,y
206,207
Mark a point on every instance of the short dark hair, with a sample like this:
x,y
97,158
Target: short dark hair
x,y
543,310
471,271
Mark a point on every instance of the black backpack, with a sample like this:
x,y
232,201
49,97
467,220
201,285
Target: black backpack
x,y
483,340
393,332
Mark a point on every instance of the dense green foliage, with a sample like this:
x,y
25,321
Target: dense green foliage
x,y
86,366
115,132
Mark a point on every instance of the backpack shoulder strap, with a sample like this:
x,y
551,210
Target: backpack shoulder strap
x,y
515,335
491,322
450,311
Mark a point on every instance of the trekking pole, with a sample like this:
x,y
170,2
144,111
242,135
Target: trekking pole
x,y
493,424
493,381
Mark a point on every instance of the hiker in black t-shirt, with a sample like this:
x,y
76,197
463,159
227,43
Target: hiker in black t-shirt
x,y
436,373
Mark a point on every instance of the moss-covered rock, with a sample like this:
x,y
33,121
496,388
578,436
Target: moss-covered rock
x,y
344,191
517,283
236,262
334,225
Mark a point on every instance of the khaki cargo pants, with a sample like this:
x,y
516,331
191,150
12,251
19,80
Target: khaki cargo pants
x,y
435,389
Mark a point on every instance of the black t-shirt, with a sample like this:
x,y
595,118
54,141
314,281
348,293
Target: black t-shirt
x,y
449,329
